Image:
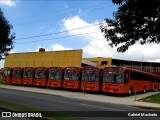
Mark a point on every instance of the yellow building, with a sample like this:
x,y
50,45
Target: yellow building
x,y
139,65
45,59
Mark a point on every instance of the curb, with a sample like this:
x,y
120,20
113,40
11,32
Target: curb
x,y
147,105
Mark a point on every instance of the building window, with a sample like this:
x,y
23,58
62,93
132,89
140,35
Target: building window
x,y
104,63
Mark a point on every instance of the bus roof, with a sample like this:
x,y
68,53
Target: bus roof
x,y
90,68
71,68
113,68
56,68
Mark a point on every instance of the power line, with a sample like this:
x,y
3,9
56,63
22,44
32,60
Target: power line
x,y
57,38
58,32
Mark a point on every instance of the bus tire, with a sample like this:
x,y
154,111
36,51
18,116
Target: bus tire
x,y
144,90
130,92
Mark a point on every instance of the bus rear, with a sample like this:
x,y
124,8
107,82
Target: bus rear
x,y
91,79
28,73
40,76
72,78
55,77
114,80
6,75
17,75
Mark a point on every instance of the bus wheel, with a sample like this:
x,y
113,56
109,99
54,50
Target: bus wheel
x,y
130,91
144,90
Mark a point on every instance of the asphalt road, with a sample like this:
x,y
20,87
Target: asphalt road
x,y
94,109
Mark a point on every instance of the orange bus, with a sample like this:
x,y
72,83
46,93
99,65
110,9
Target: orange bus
x,y
55,77
16,75
72,78
28,73
40,76
6,75
91,78
125,80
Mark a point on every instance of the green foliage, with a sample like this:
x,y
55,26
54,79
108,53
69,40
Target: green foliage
x,y
153,98
6,38
135,20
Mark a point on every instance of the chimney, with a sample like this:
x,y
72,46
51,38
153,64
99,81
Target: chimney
x,y
41,49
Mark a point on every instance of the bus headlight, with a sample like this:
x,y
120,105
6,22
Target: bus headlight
x,y
121,88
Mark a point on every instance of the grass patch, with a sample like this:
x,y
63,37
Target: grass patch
x,y
16,107
48,115
152,98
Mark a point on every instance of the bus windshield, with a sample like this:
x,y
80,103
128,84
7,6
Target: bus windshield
x,y
90,76
40,73
71,75
55,74
27,73
113,77
6,72
16,73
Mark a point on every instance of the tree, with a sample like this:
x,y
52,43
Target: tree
x,y
6,38
134,21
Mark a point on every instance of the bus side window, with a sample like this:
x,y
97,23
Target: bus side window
x,y
152,79
126,76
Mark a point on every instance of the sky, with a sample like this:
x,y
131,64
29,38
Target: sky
x,y
68,25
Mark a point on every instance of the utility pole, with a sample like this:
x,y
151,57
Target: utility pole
x,y
141,63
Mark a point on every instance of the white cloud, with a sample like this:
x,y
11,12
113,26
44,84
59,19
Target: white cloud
x,y
1,63
156,60
9,3
59,47
75,22
12,51
98,46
